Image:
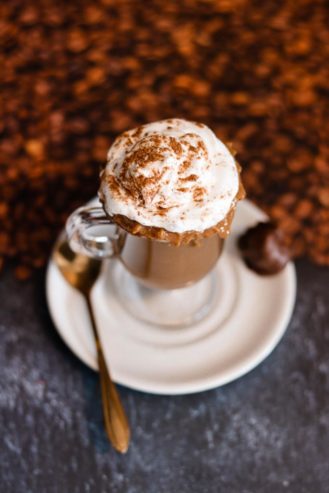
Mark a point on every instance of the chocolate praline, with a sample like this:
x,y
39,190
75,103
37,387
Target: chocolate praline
x,y
264,248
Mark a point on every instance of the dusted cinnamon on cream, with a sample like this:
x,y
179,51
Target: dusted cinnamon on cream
x,y
171,174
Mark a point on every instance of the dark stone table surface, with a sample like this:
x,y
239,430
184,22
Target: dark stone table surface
x,y
266,432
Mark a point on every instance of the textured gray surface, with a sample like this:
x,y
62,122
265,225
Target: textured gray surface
x,y
268,431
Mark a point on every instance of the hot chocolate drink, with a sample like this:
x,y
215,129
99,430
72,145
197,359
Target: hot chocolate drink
x,y
170,188
161,265
173,187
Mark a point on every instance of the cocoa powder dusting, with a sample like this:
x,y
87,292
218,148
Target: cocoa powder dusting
x,y
135,184
176,146
198,194
189,178
184,166
72,80
114,185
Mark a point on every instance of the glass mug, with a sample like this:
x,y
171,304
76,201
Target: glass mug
x,y
155,281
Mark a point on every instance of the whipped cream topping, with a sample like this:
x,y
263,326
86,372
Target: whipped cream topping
x,y
171,174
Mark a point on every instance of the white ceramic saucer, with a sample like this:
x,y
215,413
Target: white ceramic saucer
x,y
251,317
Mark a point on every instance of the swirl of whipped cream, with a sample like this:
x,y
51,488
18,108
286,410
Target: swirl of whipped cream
x,y
171,174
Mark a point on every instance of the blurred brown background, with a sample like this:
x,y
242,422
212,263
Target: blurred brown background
x,y
75,74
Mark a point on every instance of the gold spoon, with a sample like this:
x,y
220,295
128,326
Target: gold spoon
x,y
81,272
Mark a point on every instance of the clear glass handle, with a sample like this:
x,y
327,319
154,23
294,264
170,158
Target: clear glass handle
x,y
92,233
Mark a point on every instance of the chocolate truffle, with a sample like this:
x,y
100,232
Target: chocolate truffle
x,y
264,249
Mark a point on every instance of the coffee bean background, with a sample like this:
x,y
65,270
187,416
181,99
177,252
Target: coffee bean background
x,y
74,75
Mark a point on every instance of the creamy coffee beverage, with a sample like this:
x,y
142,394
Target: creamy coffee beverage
x,y
172,175
158,264
173,187
168,192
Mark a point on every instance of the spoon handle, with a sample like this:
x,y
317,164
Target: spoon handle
x,y
116,423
